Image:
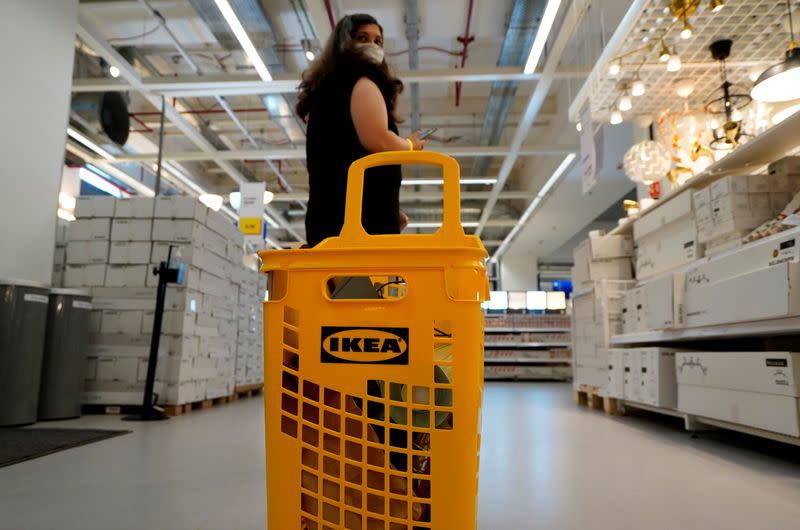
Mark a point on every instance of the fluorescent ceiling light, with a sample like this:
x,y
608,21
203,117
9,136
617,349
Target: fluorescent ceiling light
x,y
560,170
78,137
244,40
65,215
542,34
440,182
101,184
212,200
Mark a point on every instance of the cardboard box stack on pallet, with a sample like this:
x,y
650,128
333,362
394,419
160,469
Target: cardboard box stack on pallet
x,y
114,245
60,254
601,275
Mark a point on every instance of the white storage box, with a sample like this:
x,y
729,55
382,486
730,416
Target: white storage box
x,y
177,230
173,323
780,248
615,383
769,412
180,208
127,322
120,369
131,229
219,223
186,252
100,206
96,229
135,208
90,373
766,372
214,242
86,252
126,275
658,386
604,247
85,275
129,252
773,292
666,237
631,375
662,301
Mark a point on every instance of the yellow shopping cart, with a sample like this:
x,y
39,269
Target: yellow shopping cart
x,y
372,402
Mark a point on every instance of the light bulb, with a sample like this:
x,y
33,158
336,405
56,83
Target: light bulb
x,y
579,127
686,32
664,54
674,64
714,124
638,88
614,69
684,88
625,103
616,117
716,5
114,71
736,115
310,55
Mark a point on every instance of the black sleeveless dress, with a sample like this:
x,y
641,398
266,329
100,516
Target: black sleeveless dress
x,y
332,145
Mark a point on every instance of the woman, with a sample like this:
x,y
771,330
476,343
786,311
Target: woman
x,y
348,98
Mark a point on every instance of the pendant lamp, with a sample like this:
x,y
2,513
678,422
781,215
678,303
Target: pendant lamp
x,y
781,82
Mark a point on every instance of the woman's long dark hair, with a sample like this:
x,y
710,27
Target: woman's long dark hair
x,y
340,54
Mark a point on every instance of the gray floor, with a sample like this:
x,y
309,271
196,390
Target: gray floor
x,y
545,464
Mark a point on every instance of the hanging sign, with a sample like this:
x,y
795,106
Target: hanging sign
x,y
251,209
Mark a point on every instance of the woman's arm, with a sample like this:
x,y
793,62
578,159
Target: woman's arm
x,y
368,111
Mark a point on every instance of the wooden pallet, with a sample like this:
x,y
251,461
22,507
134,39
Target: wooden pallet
x,y
177,410
589,396
246,391
612,406
110,409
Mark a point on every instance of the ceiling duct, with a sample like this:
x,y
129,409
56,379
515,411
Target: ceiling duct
x,y
262,33
106,111
526,15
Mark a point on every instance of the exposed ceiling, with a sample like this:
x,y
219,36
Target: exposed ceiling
x,y
225,126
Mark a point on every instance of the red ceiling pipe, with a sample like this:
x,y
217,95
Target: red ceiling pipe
x,y
208,111
465,41
329,9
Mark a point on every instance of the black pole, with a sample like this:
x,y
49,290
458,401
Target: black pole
x,y
157,187
149,411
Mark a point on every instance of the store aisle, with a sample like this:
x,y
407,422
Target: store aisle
x,y
545,464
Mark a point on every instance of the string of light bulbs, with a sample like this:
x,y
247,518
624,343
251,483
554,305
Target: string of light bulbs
x,y
635,87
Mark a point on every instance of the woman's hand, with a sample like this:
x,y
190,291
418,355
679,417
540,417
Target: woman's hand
x,y
403,220
419,145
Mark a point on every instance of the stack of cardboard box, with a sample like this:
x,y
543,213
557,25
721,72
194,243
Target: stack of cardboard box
x,y
643,375
250,338
60,254
114,247
602,257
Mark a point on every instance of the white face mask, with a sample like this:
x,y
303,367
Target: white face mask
x,y
371,51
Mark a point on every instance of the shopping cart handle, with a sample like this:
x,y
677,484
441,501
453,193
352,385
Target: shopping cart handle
x,y
353,231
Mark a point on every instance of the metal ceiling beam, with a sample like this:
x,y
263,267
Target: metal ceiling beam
x,y
94,39
300,154
247,84
572,18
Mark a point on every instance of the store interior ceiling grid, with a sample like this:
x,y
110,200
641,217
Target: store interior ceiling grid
x,y
266,110
756,27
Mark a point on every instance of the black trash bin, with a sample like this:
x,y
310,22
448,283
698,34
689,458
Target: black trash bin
x,y
23,316
64,359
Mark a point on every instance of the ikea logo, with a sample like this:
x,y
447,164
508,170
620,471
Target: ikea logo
x,y
364,345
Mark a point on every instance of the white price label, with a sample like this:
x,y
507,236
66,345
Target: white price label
x,y
80,304
37,298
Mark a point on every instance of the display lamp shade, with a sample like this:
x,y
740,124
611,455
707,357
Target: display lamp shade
x,y
615,68
638,88
687,31
781,82
625,103
616,117
674,63
716,5
647,162
664,54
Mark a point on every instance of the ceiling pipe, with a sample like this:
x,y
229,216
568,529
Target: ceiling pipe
x,y
465,41
572,19
526,15
412,34
284,184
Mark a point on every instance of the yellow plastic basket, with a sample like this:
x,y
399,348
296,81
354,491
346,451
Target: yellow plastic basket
x,y
372,406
